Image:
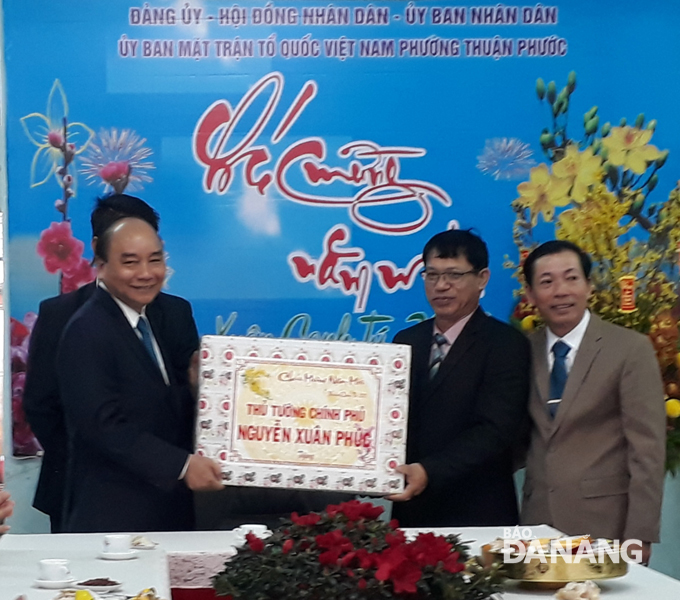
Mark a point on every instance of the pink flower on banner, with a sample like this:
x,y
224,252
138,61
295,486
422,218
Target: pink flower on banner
x,y
81,275
55,139
20,335
25,443
18,332
119,160
59,249
46,131
114,171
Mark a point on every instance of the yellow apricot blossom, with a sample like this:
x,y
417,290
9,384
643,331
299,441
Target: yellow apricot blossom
x,y
673,408
528,323
629,148
542,193
583,169
569,225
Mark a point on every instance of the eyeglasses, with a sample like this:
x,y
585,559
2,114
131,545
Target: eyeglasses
x,y
450,277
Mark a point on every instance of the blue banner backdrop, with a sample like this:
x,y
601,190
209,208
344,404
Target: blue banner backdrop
x,y
301,153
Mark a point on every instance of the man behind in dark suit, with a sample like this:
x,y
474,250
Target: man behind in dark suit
x,y
41,399
128,413
468,397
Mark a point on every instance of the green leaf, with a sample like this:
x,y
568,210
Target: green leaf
x,y
540,88
571,81
552,92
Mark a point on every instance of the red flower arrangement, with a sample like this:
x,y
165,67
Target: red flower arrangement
x,y
347,552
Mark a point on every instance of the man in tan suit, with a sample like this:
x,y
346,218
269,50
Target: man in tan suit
x,y
596,460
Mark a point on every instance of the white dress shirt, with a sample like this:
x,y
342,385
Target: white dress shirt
x,y
133,318
573,339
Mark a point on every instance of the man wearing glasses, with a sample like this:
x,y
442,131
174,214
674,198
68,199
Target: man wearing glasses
x,y
468,396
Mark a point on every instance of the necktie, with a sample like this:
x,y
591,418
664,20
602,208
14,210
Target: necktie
x,y
558,375
145,331
437,353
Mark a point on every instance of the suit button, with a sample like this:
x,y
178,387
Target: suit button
x,y
552,490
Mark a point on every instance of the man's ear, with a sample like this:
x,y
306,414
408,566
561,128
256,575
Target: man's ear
x,y
530,295
93,243
484,276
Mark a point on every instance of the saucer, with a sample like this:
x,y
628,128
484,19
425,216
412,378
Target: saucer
x,y
263,535
118,555
54,584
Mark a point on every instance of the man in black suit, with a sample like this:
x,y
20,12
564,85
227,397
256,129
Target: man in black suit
x,y
128,412
169,314
468,397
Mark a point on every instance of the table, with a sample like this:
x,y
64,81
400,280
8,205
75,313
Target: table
x,y
19,556
189,559
193,558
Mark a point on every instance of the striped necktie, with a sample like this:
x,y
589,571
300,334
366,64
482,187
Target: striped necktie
x,y
439,342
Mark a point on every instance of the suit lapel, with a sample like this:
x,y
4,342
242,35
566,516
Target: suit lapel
x,y
156,319
420,358
130,337
541,371
155,316
587,352
541,376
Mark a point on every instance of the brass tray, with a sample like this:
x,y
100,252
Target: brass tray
x,y
552,571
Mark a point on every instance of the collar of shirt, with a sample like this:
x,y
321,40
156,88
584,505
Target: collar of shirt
x,y
133,317
573,339
130,313
452,333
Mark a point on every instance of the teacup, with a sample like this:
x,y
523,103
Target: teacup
x,y
117,543
256,528
54,569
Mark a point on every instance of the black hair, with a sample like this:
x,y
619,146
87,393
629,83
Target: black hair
x,y
455,243
555,247
115,207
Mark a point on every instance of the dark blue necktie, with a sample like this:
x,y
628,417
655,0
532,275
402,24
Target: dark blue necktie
x,y
145,331
437,353
558,375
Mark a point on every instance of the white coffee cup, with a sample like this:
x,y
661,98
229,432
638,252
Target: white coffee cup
x,y
54,569
256,528
117,543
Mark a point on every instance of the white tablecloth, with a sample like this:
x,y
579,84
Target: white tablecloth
x,y
19,556
196,556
